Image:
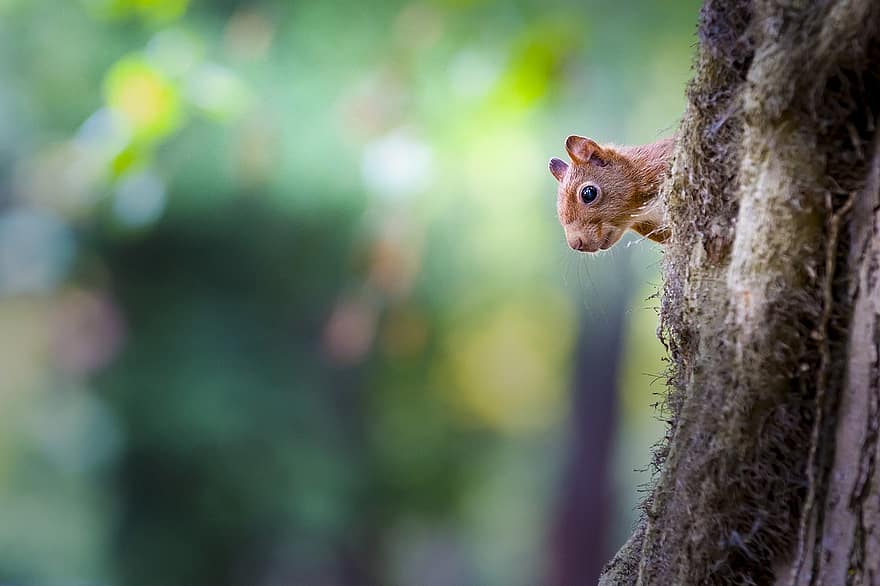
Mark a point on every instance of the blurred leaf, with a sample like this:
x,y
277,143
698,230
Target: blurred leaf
x,y
153,10
535,63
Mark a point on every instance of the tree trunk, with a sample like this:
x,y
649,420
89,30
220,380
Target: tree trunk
x,y
771,307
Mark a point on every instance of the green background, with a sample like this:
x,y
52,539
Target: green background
x,y
283,296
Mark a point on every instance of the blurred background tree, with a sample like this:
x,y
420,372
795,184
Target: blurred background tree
x,y
283,295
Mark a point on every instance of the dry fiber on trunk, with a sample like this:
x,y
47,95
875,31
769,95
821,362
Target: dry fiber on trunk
x,y
771,307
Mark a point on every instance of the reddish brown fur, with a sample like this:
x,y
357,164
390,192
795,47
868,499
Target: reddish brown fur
x,y
628,179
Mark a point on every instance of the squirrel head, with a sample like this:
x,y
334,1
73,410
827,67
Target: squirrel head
x,y
598,197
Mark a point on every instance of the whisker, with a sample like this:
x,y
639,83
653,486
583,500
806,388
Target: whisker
x,y
646,236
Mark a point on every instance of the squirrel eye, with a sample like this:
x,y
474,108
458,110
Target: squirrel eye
x,y
589,193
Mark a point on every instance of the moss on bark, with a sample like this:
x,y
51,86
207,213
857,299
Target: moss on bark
x,y
762,311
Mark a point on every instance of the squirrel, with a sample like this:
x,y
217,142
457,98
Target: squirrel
x,y
608,189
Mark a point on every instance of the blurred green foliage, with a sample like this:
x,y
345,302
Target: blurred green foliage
x,y
284,300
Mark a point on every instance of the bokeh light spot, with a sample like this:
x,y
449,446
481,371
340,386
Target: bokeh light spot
x,y
397,165
507,367
249,35
147,99
140,199
175,51
217,91
36,250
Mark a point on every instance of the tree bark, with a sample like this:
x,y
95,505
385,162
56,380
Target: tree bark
x,y
771,307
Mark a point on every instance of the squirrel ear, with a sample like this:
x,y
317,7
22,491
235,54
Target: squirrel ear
x,y
583,150
558,167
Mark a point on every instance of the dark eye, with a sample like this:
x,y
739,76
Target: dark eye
x,y
589,193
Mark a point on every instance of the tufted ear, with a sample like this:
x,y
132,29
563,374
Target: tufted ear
x,y
558,167
583,150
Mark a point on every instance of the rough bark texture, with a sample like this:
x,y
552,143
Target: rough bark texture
x,y
771,307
